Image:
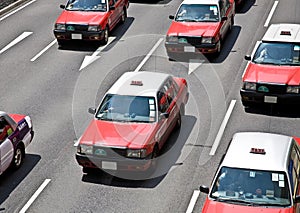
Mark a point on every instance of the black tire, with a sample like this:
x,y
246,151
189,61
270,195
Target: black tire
x,y
61,43
18,157
123,16
178,122
219,48
182,110
153,165
231,24
106,35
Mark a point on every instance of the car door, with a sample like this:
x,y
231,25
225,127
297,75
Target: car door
x,y
113,14
226,9
6,146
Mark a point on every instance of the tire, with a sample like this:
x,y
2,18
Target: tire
x,y
123,16
153,165
178,122
231,24
182,110
106,34
61,43
18,157
217,53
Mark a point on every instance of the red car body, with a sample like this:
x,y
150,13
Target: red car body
x,y
84,22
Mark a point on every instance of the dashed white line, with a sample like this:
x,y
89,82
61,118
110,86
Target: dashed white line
x,y
17,40
271,14
35,195
193,201
222,128
148,55
20,8
44,50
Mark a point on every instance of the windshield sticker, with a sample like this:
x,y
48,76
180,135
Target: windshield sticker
x,y
214,9
269,193
151,101
152,107
281,183
102,1
296,48
152,114
274,177
252,174
281,177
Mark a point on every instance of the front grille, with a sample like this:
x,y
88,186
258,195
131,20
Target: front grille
x,y
109,152
190,40
77,27
271,88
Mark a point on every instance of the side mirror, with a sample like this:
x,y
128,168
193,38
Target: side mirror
x,y
171,17
92,110
204,189
62,6
112,7
247,57
164,115
224,18
297,199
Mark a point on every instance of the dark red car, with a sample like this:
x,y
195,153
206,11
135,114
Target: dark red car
x,y
89,19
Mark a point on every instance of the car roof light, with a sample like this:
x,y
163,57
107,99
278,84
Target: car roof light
x,y
258,151
285,33
136,83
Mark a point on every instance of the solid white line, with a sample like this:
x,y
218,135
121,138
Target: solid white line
x,y
193,201
17,40
35,195
20,8
222,128
148,55
44,50
271,14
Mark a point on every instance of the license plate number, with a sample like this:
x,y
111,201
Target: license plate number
x,y
270,99
76,36
109,165
189,49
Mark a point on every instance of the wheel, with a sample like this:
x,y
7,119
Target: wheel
x,y
61,43
123,16
178,122
231,23
106,34
18,158
153,165
217,53
182,110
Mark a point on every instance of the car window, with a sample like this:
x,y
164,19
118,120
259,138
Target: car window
x,y
124,108
86,5
5,129
277,53
251,186
197,13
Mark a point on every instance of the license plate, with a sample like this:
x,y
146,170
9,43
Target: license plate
x,y
109,165
270,99
189,49
76,36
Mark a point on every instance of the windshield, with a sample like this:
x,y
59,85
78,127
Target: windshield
x,y
87,5
253,187
127,109
278,54
197,13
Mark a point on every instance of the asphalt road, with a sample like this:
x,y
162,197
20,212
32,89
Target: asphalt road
x,y
55,89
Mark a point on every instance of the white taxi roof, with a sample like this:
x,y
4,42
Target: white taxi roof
x,y
139,83
209,2
283,33
275,146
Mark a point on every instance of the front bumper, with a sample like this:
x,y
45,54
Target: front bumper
x,y
253,97
113,164
79,35
177,48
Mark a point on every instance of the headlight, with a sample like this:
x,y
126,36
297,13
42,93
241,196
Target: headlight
x,y
60,26
136,153
94,28
85,149
172,39
292,89
249,86
207,40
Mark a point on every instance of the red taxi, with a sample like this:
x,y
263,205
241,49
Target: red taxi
x,y
89,19
259,173
132,122
199,26
272,75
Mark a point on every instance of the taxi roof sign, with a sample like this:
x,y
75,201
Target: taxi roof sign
x,y
136,83
285,33
257,151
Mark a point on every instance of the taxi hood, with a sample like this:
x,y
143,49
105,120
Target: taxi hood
x,y
272,73
193,28
221,207
119,134
81,17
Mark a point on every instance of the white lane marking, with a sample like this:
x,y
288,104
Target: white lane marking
x,y
271,14
34,196
194,64
17,40
193,201
13,12
44,50
222,128
90,59
148,55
